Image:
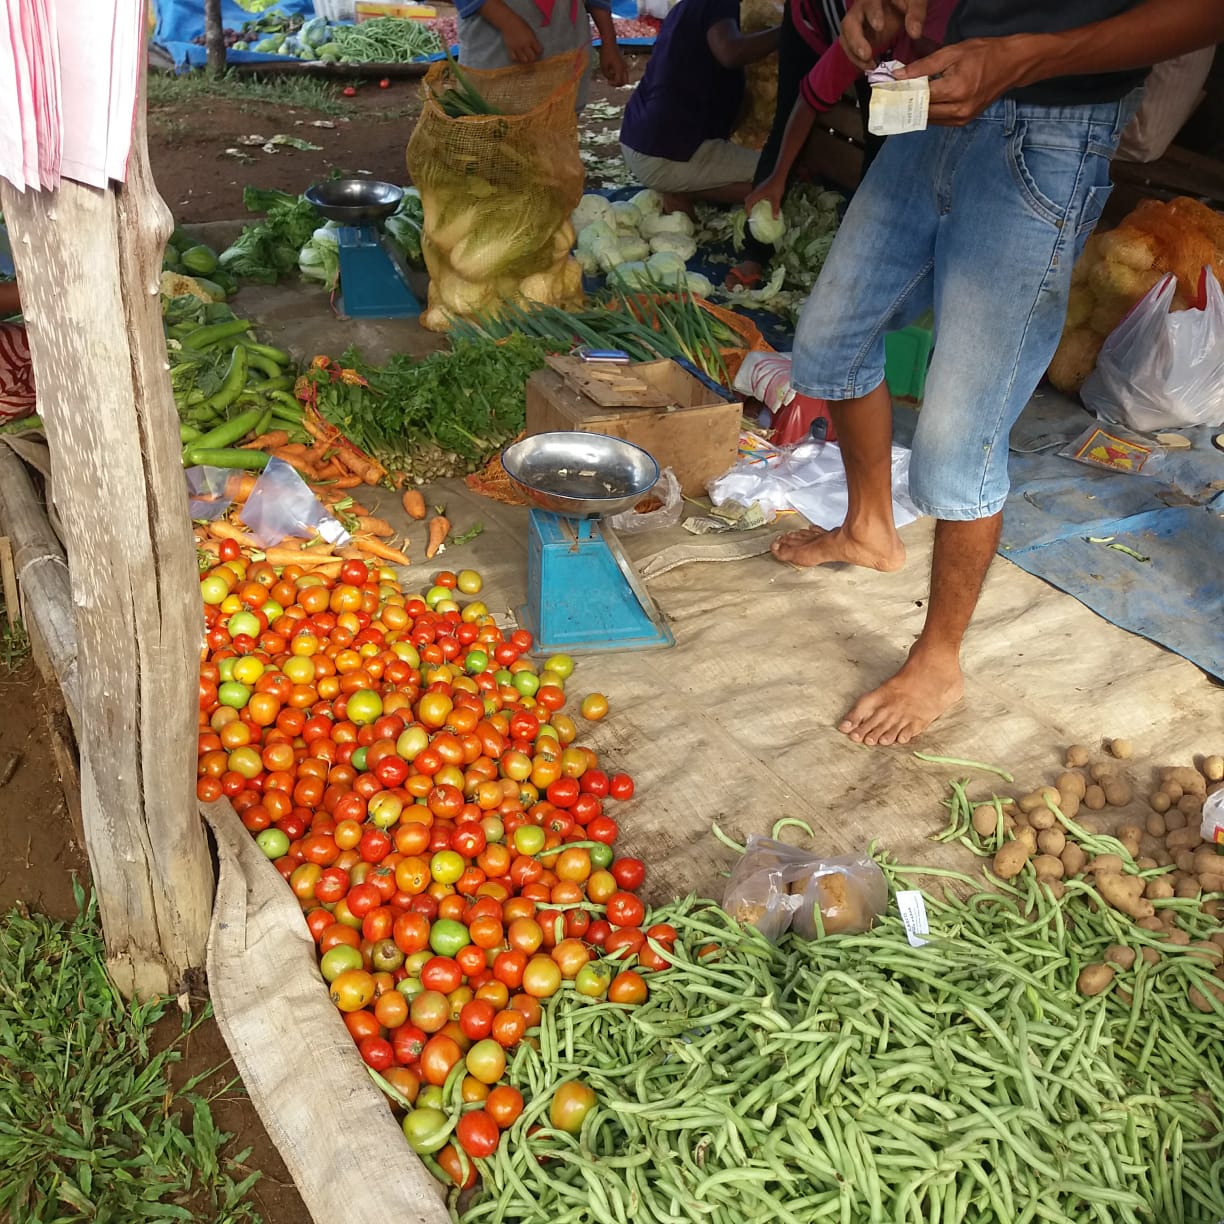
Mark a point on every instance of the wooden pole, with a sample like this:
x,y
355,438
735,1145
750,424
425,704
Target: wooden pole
x,y
214,37
89,262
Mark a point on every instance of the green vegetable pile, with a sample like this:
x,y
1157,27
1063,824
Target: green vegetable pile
x,y
226,385
440,416
382,40
184,256
267,250
857,1078
658,323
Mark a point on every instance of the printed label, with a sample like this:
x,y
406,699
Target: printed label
x,y
913,913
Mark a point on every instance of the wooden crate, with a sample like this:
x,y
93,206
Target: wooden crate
x,y
697,435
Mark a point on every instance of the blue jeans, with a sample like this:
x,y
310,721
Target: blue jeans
x,y
983,223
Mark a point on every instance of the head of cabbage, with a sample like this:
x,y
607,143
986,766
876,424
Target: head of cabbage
x,y
592,208
763,225
667,223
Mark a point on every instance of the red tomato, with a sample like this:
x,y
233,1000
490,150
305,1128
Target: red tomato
x,y
586,808
629,873
476,1018
623,909
362,898
377,1052
620,786
439,1055
627,987
604,829
374,846
407,1042
477,1134
504,1104
443,974
594,782
456,1166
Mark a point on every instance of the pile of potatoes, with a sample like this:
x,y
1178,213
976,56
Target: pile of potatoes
x,y
1167,836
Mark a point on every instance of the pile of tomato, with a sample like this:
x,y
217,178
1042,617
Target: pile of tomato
x,y
417,782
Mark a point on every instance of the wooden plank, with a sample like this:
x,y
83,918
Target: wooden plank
x,y
8,579
89,263
1179,170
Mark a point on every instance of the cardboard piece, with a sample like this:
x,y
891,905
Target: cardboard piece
x,y
696,433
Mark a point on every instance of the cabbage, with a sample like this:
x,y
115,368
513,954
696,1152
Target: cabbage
x,y
595,236
698,285
592,208
314,33
627,216
545,287
668,223
319,259
633,275
764,226
684,246
403,226
666,267
649,203
633,248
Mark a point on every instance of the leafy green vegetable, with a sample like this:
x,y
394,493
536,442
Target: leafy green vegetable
x,y
403,226
265,251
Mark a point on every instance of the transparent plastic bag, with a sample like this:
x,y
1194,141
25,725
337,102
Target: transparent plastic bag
x,y
1116,450
1163,369
281,506
776,886
667,514
210,491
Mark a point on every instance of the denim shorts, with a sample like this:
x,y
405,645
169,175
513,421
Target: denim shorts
x,y
984,224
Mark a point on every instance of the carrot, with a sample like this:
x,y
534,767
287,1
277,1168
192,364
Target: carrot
x,y
359,465
267,441
439,529
291,448
374,526
376,548
414,503
298,462
223,529
288,554
244,485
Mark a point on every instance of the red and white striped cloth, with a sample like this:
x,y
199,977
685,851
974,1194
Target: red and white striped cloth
x,y
16,374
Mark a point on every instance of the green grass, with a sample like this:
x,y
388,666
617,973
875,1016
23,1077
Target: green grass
x,y
90,1128
14,644
249,92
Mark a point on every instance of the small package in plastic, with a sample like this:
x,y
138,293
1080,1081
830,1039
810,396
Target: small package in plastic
x,y
775,886
661,507
281,506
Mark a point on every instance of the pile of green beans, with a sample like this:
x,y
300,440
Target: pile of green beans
x,y
859,1080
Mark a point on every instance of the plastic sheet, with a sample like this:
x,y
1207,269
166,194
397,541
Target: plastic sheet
x,y
667,490
282,506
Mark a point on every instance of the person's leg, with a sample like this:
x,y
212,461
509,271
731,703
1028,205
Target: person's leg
x,y
1026,194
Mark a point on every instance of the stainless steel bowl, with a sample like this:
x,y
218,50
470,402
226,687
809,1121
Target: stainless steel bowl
x,y
582,475
354,201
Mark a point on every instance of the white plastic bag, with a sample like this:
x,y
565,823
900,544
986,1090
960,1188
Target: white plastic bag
x,y
281,506
1162,370
766,377
667,490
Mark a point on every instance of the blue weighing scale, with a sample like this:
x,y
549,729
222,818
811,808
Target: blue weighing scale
x,y
373,278
584,595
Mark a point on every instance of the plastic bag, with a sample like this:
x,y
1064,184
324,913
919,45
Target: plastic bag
x,y
1117,450
282,506
766,377
776,886
1212,827
666,514
1162,370
210,491
497,190
1173,91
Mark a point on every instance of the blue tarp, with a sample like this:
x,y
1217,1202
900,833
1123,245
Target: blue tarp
x,y
179,22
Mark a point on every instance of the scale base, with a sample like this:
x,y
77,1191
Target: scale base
x,y
372,281
584,596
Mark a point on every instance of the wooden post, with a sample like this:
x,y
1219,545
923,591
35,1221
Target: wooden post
x,y
89,262
214,37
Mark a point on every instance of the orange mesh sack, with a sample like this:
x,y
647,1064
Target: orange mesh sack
x,y
498,189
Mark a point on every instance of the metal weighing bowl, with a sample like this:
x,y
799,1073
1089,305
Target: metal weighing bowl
x,y
582,475
355,201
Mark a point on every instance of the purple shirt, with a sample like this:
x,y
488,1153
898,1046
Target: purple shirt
x,y
686,96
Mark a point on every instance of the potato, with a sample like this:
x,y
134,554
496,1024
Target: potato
x,y
1189,888
1213,768
1130,832
1117,792
1151,923
1208,951
1091,824
1160,802
1158,889
1094,798
1125,893
1105,864
1120,748
1179,938
1051,841
1191,806
1156,824
1150,955
1188,838
1069,804
1172,789
1029,803
1207,861
1120,955
1071,782
1093,979
1163,858
1174,820
1027,837
1188,778
1200,1000
1167,918
1010,860
1055,888
1131,842
1146,864
1073,859
1077,756
1048,867
984,819
1043,818
1218,938
1213,908
1211,883
1101,772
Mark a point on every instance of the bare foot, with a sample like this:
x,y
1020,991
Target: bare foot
x,y
903,707
674,202
815,546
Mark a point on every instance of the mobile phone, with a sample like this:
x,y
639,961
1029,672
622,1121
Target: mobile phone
x,y
608,356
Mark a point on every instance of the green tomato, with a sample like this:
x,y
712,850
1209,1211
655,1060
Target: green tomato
x,y
469,582
593,980
476,662
447,866
435,595
527,682
503,676
409,987
233,694
601,855
528,839
364,706
570,1105
213,589
358,760
447,936
562,664
547,731
426,1129
338,960
417,961
431,1097
273,842
272,610
243,622
225,669
412,740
